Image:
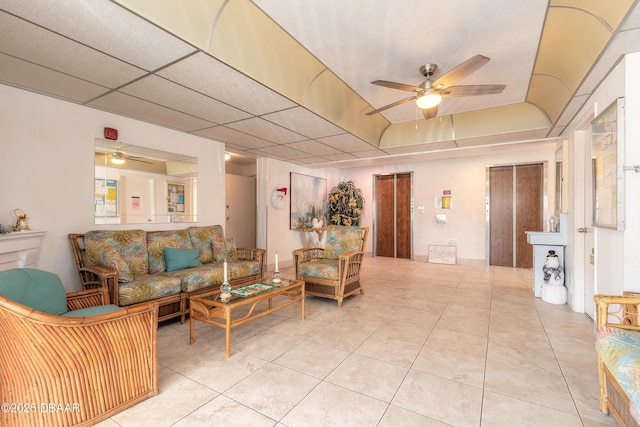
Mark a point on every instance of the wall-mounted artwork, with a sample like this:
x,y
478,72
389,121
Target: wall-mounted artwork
x,y
308,201
175,198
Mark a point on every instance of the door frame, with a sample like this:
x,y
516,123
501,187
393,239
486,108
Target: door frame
x,y
375,212
487,203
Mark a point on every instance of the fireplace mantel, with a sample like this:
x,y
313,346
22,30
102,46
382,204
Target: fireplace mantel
x,y
20,249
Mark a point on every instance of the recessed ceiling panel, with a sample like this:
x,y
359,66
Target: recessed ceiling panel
x,y
314,147
234,137
172,95
149,112
107,27
281,152
303,122
16,72
267,130
205,74
35,44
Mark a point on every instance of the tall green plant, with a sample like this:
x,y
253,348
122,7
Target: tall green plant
x,y
346,204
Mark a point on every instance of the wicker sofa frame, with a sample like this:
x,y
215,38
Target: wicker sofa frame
x,y
168,307
92,366
623,310
349,265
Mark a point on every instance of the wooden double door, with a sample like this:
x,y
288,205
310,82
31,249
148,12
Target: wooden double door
x,y
515,206
393,212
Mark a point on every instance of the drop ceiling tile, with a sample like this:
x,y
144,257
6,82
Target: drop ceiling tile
x,y
282,152
346,142
232,136
304,122
370,153
34,44
267,130
309,161
313,147
343,156
205,74
107,27
131,106
172,95
16,72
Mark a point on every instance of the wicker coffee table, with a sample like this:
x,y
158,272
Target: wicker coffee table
x,y
210,308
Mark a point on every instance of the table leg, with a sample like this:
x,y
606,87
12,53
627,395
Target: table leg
x,y
302,302
227,315
191,329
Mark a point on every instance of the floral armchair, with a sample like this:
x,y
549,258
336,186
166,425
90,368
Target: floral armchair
x,y
333,272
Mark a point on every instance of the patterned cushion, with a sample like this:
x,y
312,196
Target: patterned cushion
x,y
131,244
202,239
211,274
158,240
619,350
147,288
225,249
341,240
320,268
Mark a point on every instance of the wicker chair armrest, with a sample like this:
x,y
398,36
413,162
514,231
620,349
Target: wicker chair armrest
x,y
87,298
349,264
96,276
307,254
624,314
250,254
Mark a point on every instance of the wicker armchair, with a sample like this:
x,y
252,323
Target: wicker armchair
x,y
618,334
66,370
333,272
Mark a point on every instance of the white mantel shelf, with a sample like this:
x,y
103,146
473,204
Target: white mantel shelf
x,y
20,249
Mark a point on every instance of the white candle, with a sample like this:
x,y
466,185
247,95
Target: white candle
x,y
277,261
224,279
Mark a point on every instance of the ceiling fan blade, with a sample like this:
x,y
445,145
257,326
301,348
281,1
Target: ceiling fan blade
x,y
386,107
473,90
399,86
430,113
461,71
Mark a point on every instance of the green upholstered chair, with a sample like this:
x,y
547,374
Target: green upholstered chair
x,y
73,349
333,271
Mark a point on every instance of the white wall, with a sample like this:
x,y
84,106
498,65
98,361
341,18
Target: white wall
x,y
47,169
466,178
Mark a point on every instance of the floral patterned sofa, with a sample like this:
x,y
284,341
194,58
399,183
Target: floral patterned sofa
x,y
618,349
164,266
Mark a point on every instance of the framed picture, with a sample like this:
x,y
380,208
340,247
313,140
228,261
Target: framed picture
x,y
607,138
308,201
106,198
175,198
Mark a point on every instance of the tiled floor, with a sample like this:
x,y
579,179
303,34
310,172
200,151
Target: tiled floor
x,y
426,345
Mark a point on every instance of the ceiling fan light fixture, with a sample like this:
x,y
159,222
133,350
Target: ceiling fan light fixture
x,y
117,159
429,100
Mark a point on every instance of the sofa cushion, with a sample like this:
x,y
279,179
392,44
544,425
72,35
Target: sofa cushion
x,y
180,258
341,240
158,240
131,244
147,288
212,274
320,268
93,311
619,350
38,289
202,238
225,249
110,257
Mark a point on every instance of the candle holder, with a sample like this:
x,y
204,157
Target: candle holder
x,y
276,277
225,291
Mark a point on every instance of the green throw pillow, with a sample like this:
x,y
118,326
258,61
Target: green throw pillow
x,y
180,258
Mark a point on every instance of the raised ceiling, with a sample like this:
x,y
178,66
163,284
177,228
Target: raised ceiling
x,y
290,79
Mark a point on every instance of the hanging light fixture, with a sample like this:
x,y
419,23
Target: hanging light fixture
x,y
118,158
430,99
227,156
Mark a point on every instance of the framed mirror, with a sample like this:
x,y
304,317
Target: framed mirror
x,y
139,185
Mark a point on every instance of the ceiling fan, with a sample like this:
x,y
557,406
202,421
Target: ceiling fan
x,y
429,94
119,158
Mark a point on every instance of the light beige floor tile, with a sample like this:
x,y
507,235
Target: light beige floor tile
x,y
395,417
355,373
464,367
504,411
273,390
532,385
298,327
331,405
406,331
224,412
586,395
341,337
180,396
261,345
458,341
534,357
390,350
444,400
312,359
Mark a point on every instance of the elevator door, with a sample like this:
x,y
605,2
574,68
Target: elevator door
x,y
393,215
516,206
